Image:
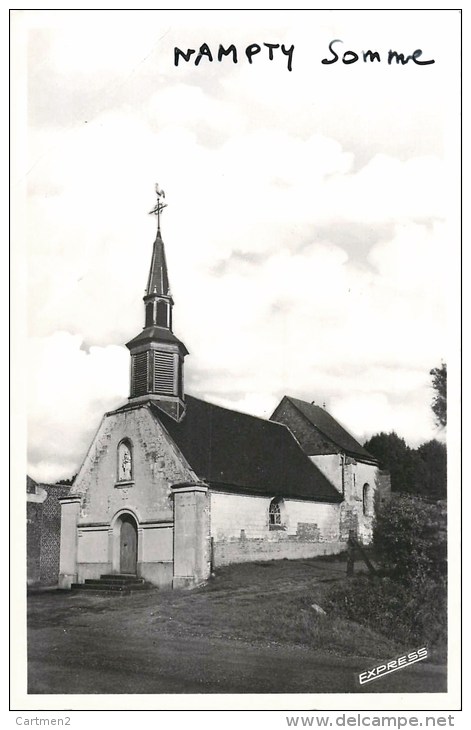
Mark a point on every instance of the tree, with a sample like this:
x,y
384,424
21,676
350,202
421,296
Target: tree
x,y
433,457
67,481
400,460
439,398
420,472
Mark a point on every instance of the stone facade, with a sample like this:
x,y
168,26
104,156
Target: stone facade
x,y
105,500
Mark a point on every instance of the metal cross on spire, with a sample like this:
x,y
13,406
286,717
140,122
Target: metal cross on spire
x,y
159,206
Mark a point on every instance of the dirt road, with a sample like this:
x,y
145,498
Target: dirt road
x,y
85,644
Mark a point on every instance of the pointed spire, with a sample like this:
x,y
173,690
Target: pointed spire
x,y
157,355
158,283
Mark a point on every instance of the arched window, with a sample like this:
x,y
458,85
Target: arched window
x,y
149,314
274,514
125,466
367,502
162,314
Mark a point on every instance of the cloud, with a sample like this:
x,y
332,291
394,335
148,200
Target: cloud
x,y
68,392
308,227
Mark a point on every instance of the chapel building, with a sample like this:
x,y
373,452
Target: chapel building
x,y
172,487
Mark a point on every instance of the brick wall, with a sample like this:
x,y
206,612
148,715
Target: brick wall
x,y
43,514
51,533
33,540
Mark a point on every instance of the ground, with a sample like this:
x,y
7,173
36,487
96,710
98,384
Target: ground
x,y
251,629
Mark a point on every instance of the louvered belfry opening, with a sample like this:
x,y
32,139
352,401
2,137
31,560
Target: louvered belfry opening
x,y
157,373
139,376
164,373
157,355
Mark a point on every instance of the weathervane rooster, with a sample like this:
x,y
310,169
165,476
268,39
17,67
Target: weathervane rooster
x,y
159,206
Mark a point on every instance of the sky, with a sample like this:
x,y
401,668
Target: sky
x,y
311,233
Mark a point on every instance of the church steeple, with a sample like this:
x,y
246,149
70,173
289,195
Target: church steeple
x,y
158,300
156,354
157,282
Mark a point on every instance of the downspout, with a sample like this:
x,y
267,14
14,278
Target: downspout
x,y
342,461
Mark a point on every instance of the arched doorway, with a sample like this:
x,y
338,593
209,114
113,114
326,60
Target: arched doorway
x,y
128,545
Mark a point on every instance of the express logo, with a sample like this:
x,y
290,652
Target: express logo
x,y
392,666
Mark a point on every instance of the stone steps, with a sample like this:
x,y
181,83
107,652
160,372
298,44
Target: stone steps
x,y
116,583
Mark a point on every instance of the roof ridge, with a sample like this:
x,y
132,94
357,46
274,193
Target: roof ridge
x,y
233,410
300,400
336,421
316,425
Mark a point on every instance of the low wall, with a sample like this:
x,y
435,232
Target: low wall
x,y
246,550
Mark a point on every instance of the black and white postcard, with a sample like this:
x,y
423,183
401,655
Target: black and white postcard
x,y
236,264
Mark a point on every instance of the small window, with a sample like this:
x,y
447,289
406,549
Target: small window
x,y
274,515
125,467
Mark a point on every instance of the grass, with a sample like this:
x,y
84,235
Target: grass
x,y
267,602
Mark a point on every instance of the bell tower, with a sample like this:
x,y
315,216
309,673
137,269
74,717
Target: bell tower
x,y
156,354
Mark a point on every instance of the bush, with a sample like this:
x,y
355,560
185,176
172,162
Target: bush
x,y
409,539
412,614
408,597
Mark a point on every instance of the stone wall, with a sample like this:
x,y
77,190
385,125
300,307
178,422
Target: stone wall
x,y
351,476
146,496
156,465
354,514
192,546
383,487
226,553
241,532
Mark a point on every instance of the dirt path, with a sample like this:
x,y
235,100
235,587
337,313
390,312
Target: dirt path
x,y
80,661
156,643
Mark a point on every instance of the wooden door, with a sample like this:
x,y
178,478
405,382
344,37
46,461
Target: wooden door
x,y
128,551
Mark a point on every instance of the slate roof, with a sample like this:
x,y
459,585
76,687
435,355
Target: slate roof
x,y
156,334
331,428
158,283
243,453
